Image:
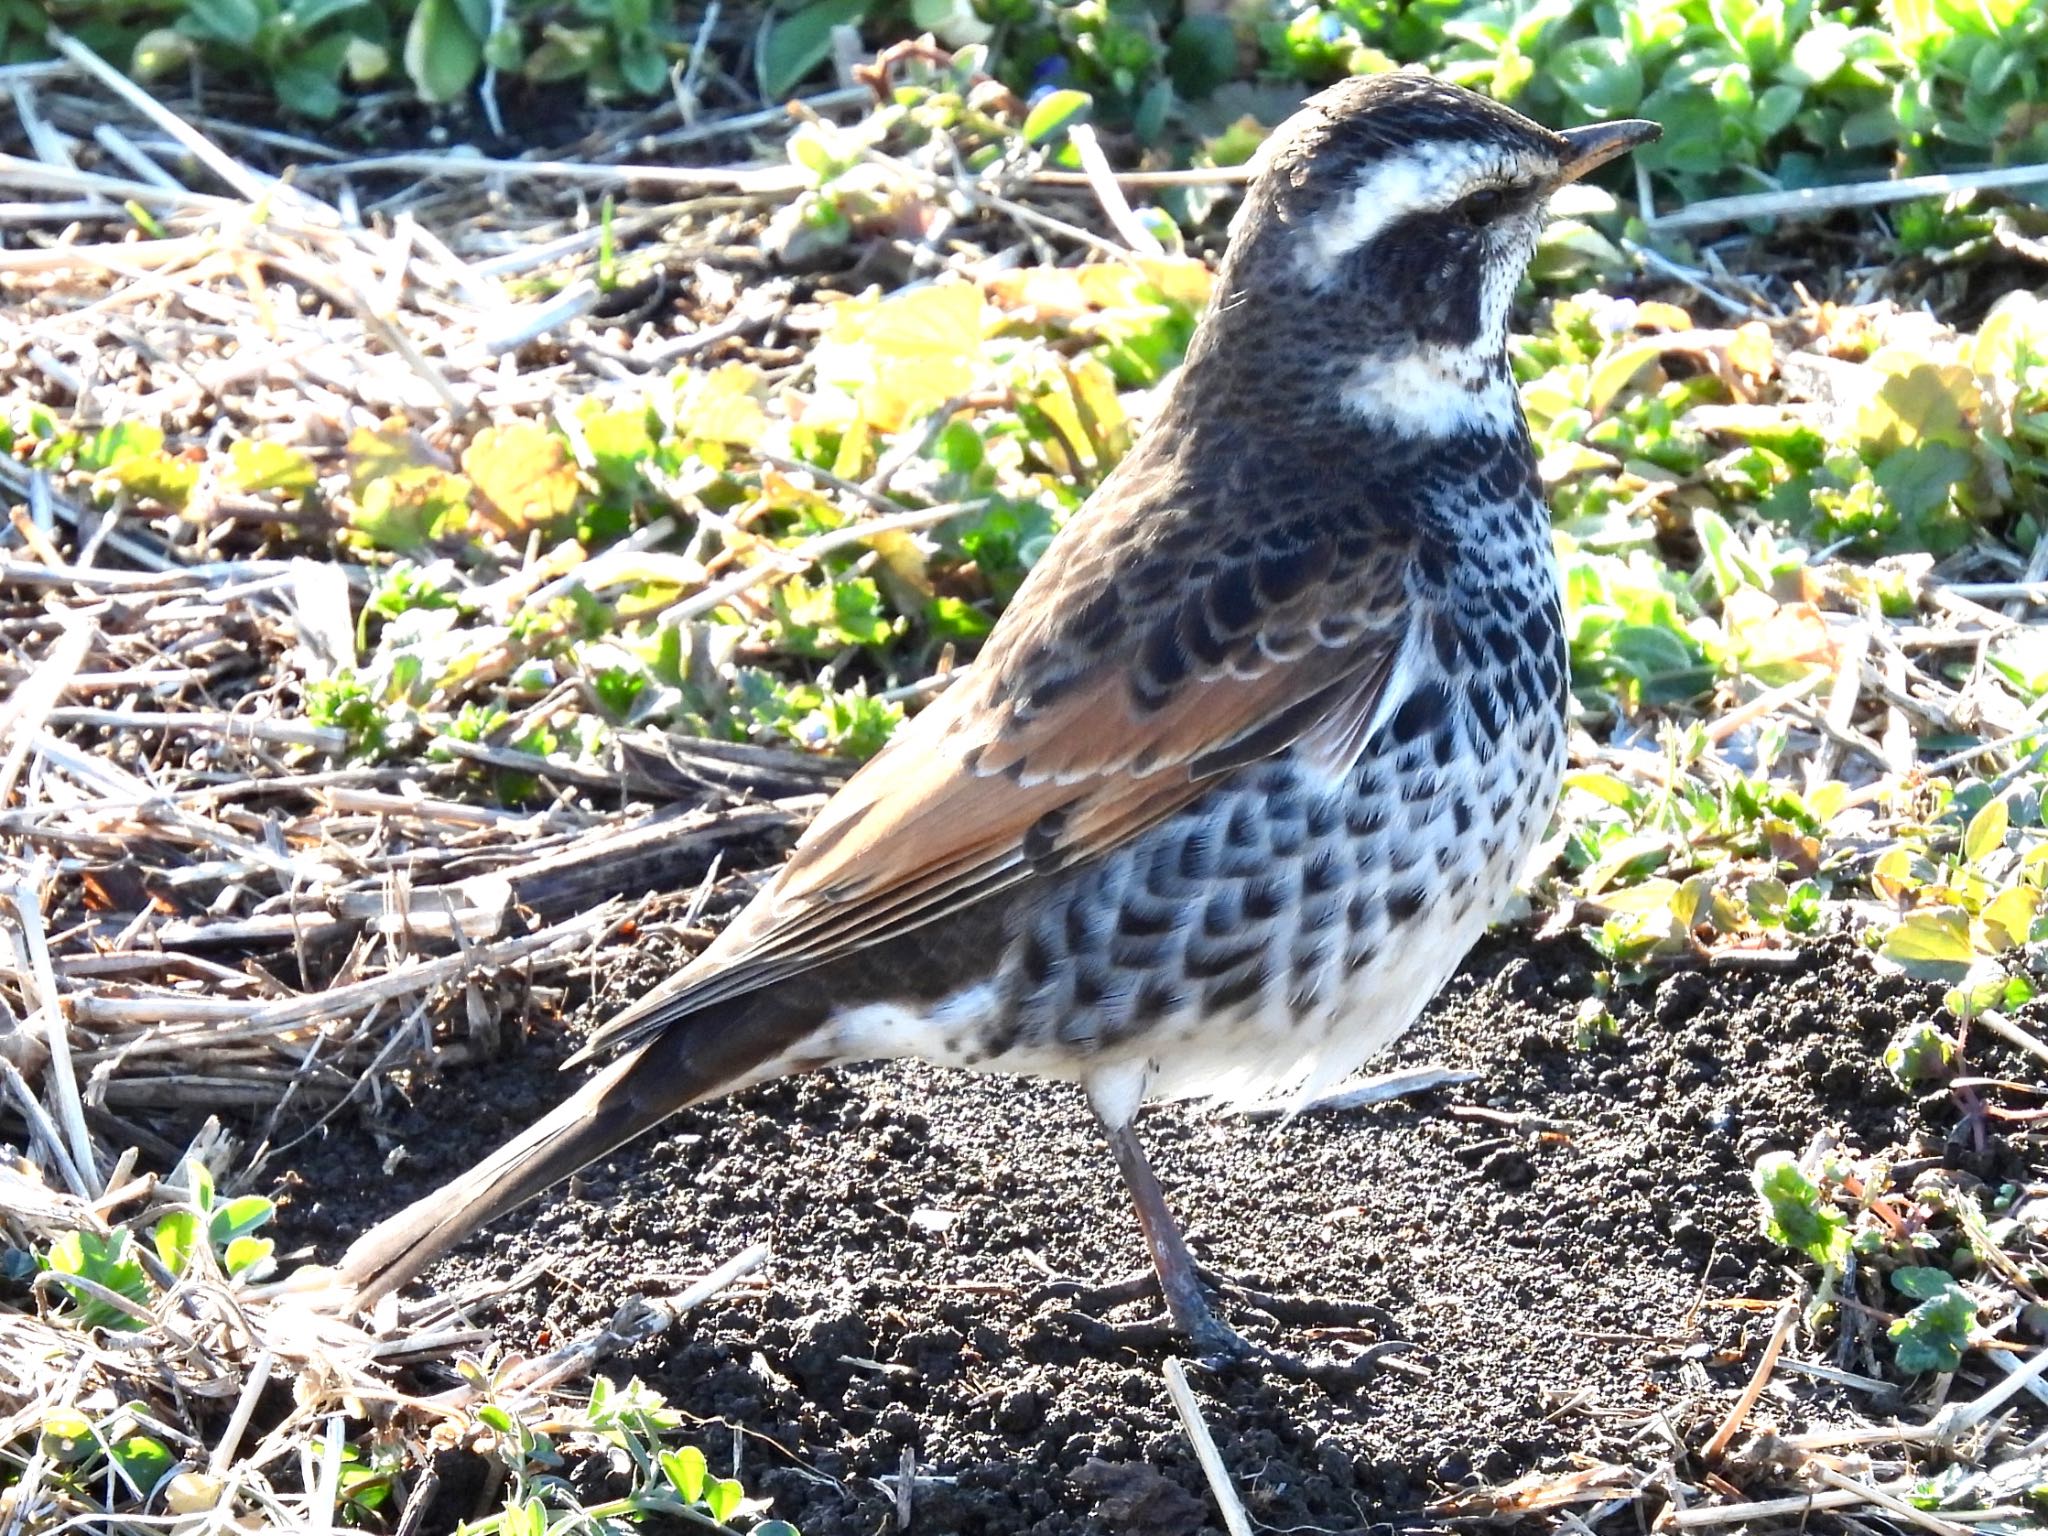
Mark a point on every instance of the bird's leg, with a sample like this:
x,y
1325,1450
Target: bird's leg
x,y
1180,1280
1183,1283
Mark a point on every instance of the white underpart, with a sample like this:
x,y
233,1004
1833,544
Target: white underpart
x,y
1424,390
1271,1050
878,1030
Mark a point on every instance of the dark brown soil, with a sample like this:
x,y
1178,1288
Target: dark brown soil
x,y
1558,1281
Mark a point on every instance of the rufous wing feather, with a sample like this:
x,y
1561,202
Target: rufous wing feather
x,y
1046,754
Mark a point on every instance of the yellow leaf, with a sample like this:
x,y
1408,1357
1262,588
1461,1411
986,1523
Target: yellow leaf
x,y
255,465
1931,940
1651,896
1569,459
1654,315
1893,876
721,406
1604,786
2009,916
1969,889
1066,293
1773,634
1095,396
779,493
1694,895
903,355
411,508
903,560
523,470
374,452
1919,402
855,446
1180,278
2016,326
1047,293
1752,351
1614,372
1825,801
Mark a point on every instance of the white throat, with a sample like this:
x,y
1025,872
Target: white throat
x,y
1431,390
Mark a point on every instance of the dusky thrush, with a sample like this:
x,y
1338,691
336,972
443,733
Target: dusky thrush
x,y
1259,748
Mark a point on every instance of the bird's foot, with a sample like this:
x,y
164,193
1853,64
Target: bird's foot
x,y
1331,1372
1291,1309
1221,1350
1217,1346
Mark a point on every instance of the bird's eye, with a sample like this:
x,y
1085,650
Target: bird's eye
x,y
1481,207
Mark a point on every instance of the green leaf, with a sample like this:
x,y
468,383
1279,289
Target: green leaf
x,y
198,1178
248,1256
108,1262
257,465
143,1460
236,22
642,63
309,88
1795,1214
239,1217
1933,1336
67,1437
1919,1053
1202,55
1055,113
308,14
1599,75
1934,945
722,1496
1776,108
1986,832
441,52
176,1239
1922,1282
685,1471
799,42
954,618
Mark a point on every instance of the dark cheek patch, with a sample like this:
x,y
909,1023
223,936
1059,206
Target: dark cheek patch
x,y
1432,279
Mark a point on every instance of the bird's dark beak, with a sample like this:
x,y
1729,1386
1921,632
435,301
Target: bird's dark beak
x,y
1597,143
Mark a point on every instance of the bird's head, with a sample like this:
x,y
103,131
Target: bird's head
x,y
1384,235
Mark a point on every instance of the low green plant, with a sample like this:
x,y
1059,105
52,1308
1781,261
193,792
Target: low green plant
x,y
1959,1255
1792,91
97,1271
104,1460
1934,1334
1971,887
635,1425
1777,92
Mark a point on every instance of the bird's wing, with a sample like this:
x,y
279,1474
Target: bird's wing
x,y
1146,654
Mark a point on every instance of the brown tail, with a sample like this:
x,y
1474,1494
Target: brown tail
x,y
692,1059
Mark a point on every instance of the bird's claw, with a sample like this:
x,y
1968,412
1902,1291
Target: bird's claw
x,y
1216,1347
1326,1371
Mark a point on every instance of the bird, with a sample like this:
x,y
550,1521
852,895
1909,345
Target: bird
x,y
1259,748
